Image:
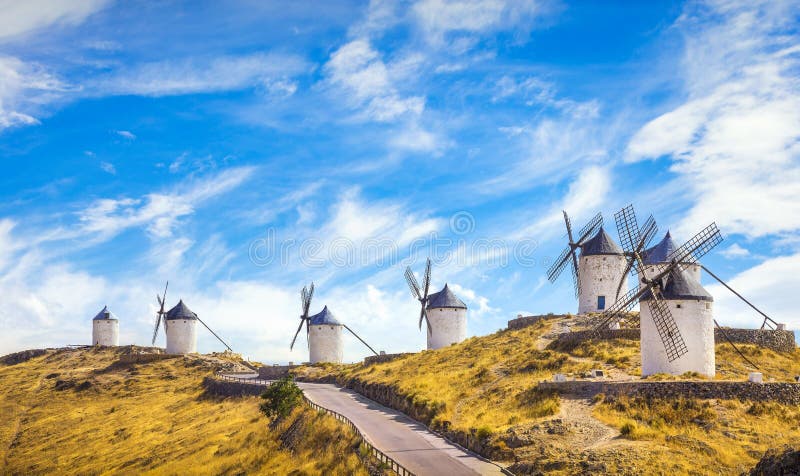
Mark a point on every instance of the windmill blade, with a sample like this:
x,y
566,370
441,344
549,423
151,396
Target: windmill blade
x,y
628,269
627,228
303,300
362,340
427,279
569,226
164,298
413,285
590,229
576,279
766,317
300,327
424,315
215,334
619,308
155,331
667,328
309,296
558,266
697,246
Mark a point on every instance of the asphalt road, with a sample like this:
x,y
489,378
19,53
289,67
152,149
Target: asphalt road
x,y
406,441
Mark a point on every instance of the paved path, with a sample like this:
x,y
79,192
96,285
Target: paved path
x,y
405,440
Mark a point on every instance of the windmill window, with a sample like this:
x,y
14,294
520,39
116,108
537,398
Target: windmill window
x,y
601,303
678,306
708,305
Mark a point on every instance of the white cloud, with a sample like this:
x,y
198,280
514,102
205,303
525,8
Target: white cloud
x,y
357,71
24,89
157,212
108,167
441,20
19,18
126,135
771,286
735,251
736,140
202,75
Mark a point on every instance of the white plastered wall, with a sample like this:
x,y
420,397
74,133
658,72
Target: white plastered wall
x,y
695,321
449,326
325,343
181,336
105,332
599,276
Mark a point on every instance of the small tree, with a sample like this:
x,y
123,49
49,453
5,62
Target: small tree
x,y
280,398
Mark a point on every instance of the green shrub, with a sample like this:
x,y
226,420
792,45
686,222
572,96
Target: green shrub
x,y
281,398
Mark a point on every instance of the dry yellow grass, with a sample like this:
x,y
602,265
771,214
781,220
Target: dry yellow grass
x,y
77,412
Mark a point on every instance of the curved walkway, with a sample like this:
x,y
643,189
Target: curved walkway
x,y
405,440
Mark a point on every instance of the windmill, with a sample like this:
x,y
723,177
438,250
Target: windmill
x,y
182,337
420,293
160,313
634,239
323,331
569,255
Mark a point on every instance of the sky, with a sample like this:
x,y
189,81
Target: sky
x,y
241,150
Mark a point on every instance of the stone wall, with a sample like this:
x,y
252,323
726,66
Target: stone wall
x,y
379,359
788,393
274,372
781,341
228,388
526,321
142,358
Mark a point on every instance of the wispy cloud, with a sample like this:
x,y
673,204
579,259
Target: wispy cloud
x,y
126,135
202,75
158,213
359,73
108,167
20,18
24,89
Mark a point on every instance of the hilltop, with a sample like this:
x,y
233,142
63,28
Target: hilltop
x,y
482,393
82,411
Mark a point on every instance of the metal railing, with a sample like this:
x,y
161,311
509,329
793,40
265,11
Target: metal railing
x,y
375,452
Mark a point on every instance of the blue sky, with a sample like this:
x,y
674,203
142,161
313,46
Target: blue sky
x,y
243,150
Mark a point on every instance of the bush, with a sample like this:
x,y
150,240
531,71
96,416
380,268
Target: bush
x,y
281,398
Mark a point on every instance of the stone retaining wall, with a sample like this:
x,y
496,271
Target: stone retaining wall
x,y
788,393
274,372
228,388
142,358
526,321
379,359
781,341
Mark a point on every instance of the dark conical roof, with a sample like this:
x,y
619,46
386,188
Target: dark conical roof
x,y
105,314
661,252
323,318
180,311
601,244
445,298
681,286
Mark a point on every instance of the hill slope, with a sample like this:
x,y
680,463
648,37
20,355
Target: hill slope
x,y
80,412
482,391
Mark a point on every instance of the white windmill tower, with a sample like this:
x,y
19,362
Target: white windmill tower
x,y
692,307
324,332
673,304
105,328
598,270
444,312
180,325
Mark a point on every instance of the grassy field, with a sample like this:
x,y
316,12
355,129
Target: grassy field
x,y
78,412
484,386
